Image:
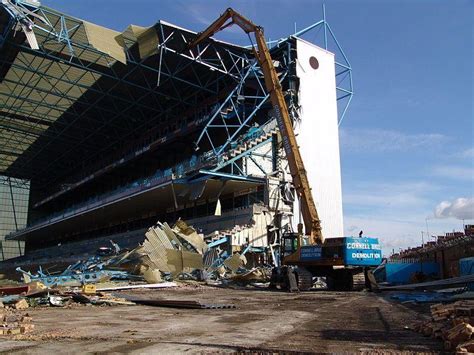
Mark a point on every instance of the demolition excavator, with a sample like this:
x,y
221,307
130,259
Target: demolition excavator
x,y
337,259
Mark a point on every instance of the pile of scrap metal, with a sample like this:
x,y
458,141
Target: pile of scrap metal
x,y
15,298
169,253
166,254
92,270
20,297
223,267
181,253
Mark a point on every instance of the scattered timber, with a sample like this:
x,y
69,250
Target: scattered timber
x,y
132,287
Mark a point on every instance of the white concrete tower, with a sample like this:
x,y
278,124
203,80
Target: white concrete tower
x,y
318,133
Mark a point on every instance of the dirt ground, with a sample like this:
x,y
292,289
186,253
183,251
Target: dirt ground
x,y
264,321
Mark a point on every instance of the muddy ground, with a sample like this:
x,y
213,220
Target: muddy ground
x,y
319,321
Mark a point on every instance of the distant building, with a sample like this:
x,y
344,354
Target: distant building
x,y
446,251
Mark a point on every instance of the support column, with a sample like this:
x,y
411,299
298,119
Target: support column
x,y
14,215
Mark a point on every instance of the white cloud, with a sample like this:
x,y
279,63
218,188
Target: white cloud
x,y
460,156
468,153
392,212
382,199
381,194
381,140
201,13
392,234
460,208
454,172
206,13
398,212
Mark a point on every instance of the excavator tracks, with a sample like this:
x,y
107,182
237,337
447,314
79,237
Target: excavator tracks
x,y
304,279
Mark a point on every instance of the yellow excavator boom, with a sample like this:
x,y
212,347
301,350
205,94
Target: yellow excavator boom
x,y
285,124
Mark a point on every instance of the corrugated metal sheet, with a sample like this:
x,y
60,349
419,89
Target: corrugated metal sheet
x,y
104,40
155,247
146,37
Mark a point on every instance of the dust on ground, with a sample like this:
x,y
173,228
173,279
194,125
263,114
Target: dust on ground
x,y
264,321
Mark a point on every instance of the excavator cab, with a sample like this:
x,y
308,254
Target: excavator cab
x,y
290,244
291,276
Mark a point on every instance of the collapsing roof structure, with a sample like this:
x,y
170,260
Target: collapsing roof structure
x,y
88,88
79,102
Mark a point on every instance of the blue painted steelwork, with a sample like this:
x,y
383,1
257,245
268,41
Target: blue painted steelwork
x,y
344,88
250,248
51,26
80,273
232,176
246,250
232,117
91,270
344,82
218,242
219,260
247,153
362,251
235,102
68,278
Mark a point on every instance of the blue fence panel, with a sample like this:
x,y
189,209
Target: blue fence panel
x,y
401,273
466,266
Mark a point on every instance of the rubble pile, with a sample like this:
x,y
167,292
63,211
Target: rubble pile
x,y
164,255
13,319
37,294
167,254
451,323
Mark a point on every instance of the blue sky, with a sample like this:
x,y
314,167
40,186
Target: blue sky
x,y
407,140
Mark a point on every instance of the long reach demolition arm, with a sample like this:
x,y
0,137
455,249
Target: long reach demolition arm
x,y
297,170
